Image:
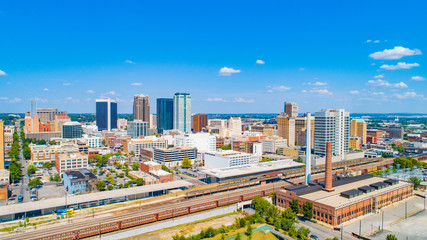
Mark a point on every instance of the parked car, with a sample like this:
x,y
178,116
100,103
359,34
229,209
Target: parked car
x,y
312,236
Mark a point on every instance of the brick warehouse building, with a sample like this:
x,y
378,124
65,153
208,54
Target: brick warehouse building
x,y
351,197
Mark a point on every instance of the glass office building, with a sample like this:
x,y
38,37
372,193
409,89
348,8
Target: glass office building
x,y
182,112
72,130
164,114
137,128
106,114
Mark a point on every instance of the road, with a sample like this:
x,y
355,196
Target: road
x,y
322,232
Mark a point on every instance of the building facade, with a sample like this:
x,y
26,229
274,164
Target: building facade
x,y
358,128
229,158
141,108
200,121
164,114
106,114
174,156
270,145
332,125
137,128
291,109
203,142
1,145
45,114
41,154
235,126
135,145
70,161
72,130
286,128
182,112
79,181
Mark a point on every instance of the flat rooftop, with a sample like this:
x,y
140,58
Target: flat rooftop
x,y
252,169
90,197
335,199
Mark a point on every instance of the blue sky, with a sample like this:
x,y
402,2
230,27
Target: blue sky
x,y
334,54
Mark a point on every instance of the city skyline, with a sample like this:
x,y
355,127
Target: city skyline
x,y
250,60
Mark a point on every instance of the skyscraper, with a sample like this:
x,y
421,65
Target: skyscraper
x,y
164,114
291,109
1,145
182,112
331,125
199,122
106,114
286,128
358,128
141,108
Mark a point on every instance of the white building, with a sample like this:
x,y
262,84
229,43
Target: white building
x,y
217,123
270,145
122,123
137,128
257,148
229,158
235,126
182,112
92,142
204,142
331,125
135,145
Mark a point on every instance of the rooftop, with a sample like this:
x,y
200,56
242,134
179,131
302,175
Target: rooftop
x,y
335,199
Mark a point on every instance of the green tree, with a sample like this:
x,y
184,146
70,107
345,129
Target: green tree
x,y
100,185
416,181
47,165
307,210
335,238
31,169
110,187
238,237
15,171
56,177
186,163
249,230
34,182
401,149
299,159
22,135
294,205
132,153
139,181
303,232
26,152
391,237
135,166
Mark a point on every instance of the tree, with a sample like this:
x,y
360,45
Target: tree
x,y
110,187
303,232
299,159
414,180
47,165
335,238
186,162
26,152
31,169
22,135
249,230
307,210
139,181
132,153
15,171
391,237
135,166
35,182
401,149
238,237
100,185
277,225
294,205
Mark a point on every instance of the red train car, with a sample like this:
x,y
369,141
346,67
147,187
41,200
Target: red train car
x,y
203,206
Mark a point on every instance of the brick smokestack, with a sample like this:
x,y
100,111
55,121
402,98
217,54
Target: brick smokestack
x,y
328,167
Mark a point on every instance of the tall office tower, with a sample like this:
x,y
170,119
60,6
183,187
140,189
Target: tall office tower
x,y
33,107
331,125
164,114
1,145
182,112
286,128
358,128
200,121
291,109
137,128
307,178
106,114
235,126
141,108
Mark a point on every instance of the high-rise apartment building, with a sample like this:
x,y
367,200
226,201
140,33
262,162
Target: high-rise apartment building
x,y
1,145
200,121
137,128
164,114
106,114
286,128
291,109
141,108
182,112
358,128
235,126
331,125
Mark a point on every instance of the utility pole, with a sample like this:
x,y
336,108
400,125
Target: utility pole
x,y
360,228
342,231
382,221
406,210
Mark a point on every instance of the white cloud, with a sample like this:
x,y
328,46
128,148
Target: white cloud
x,y
69,98
376,41
259,61
301,69
242,100
408,95
217,99
136,84
304,91
400,65
373,64
225,71
3,98
396,53
45,89
368,41
281,88
321,91
15,100
379,76
384,83
112,93
418,78
377,93
354,92
129,62
90,91
320,83
2,73
66,84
